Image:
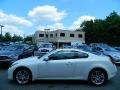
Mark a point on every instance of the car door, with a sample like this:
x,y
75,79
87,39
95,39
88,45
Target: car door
x,y
59,65
82,64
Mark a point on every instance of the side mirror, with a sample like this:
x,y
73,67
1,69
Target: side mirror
x,y
45,59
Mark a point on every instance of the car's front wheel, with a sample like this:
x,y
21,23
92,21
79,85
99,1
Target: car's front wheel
x,y
22,76
97,77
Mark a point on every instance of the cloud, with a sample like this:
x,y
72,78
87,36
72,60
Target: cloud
x,y
10,19
46,12
12,30
76,24
52,27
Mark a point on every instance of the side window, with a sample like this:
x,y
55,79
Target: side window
x,y
67,55
56,56
80,55
60,55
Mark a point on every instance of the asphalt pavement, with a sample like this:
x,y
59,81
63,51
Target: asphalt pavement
x,y
5,84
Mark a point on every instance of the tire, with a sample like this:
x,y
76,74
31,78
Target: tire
x,y
22,76
97,77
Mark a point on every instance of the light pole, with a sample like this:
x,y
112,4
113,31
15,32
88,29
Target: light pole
x,y
1,32
1,29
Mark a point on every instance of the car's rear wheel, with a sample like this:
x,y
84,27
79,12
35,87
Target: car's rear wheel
x,y
97,77
22,76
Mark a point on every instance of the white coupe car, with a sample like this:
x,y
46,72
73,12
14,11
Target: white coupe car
x,y
63,64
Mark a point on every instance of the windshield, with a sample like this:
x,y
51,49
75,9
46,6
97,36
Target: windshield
x,y
46,54
109,49
45,46
85,47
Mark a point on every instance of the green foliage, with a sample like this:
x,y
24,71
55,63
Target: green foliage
x,y
1,38
28,39
105,31
16,38
8,38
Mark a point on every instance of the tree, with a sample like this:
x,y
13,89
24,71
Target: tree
x,y
16,38
107,30
1,38
28,39
7,37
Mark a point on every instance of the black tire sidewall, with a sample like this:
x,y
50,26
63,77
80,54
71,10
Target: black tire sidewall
x,y
105,75
30,76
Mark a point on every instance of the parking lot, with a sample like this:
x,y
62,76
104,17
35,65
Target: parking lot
x,y
113,84
5,84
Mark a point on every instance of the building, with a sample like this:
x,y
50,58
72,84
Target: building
x,y
59,37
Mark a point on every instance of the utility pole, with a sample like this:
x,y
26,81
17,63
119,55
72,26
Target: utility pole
x,y
24,37
1,31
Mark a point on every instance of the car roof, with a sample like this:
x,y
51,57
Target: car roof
x,y
69,49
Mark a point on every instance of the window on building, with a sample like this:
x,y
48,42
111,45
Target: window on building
x,y
71,35
62,34
41,35
56,34
80,35
46,35
51,35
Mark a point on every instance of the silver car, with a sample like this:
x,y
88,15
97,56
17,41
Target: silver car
x,y
107,50
63,64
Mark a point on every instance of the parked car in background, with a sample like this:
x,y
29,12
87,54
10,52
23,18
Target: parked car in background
x,y
107,50
9,54
17,51
27,53
85,47
117,48
63,64
67,46
6,61
22,50
44,48
98,44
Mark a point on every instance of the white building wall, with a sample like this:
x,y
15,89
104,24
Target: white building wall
x,y
58,38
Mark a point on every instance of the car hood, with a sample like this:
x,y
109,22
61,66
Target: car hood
x,y
30,60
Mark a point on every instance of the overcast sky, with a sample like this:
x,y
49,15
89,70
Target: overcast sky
x,y
27,16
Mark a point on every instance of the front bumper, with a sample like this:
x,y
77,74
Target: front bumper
x,y
10,73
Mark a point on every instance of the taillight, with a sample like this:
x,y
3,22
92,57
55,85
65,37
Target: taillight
x,y
111,59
